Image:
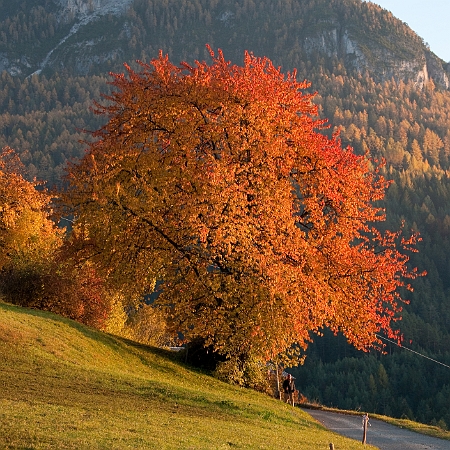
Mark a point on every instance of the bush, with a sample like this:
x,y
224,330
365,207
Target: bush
x,y
249,372
148,325
73,293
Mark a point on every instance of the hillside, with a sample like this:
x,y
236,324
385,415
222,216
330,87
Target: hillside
x,y
66,386
376,81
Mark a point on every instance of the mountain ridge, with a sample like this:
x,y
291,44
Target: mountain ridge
x,y
90,35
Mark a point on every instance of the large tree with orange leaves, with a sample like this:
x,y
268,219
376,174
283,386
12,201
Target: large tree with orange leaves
x,y
217,180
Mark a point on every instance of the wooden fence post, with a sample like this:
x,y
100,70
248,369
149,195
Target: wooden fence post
x,y
278,381
365,422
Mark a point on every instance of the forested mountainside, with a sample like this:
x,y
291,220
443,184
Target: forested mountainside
x,y
376,81
95,36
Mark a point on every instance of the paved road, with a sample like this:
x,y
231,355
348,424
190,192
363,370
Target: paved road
x,y
380,434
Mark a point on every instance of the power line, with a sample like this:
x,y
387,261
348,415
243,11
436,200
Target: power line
x,y
412,351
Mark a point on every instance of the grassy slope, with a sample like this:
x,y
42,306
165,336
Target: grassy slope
x,y
65,386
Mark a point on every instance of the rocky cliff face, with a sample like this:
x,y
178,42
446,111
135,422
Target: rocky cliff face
x,y
437,71
92,7
381,62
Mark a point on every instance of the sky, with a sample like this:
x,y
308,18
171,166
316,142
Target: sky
x,y
430,19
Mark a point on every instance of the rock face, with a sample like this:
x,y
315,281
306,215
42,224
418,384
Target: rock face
x,y
383,64
88,7
437,70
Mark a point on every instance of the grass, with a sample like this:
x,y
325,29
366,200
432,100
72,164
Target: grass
x,y
65,386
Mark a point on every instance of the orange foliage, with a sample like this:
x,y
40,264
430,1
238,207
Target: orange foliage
x,y
69,292
216,178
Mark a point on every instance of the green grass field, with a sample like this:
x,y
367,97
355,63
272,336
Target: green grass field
x,y
65,386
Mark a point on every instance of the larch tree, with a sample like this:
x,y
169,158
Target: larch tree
x,y
218,180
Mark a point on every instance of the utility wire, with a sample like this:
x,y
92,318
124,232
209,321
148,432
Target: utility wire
x,y
412,351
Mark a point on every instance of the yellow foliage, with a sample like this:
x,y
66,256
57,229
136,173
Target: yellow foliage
x,y
26,230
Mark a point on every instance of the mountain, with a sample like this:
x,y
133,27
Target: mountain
x,y
377,82
92,36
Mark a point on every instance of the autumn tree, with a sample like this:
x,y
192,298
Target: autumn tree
x,y
26,230
33,269
28,236
216,180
